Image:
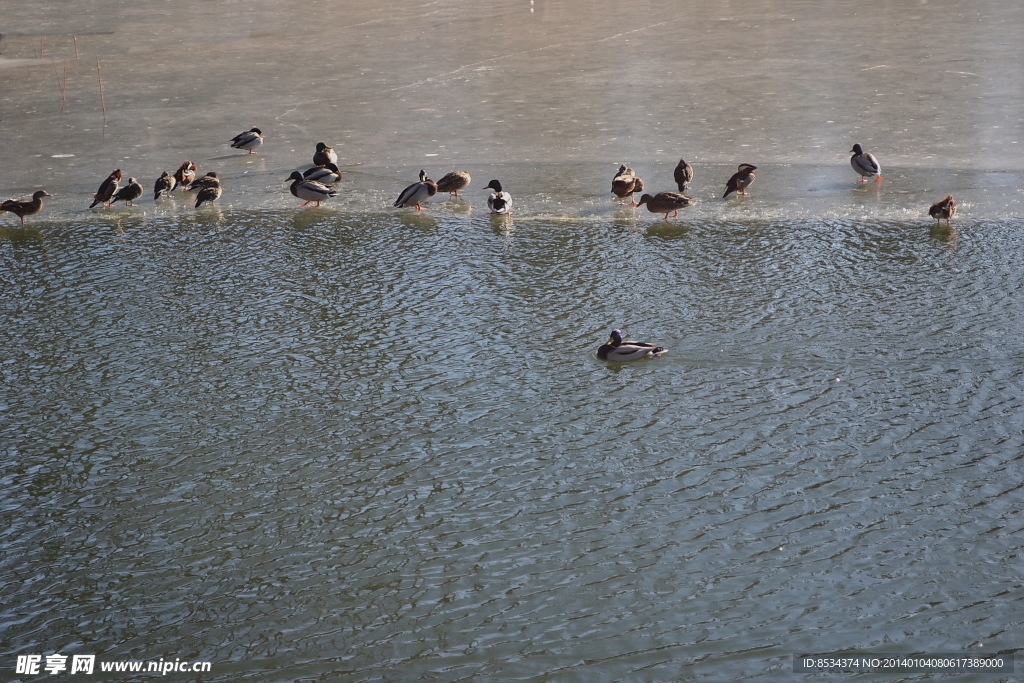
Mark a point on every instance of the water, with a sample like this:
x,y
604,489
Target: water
x,y
359,443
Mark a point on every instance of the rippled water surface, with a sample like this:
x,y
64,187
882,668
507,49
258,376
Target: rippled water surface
x,y
320,446
358,443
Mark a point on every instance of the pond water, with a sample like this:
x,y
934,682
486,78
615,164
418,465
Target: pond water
x,y
360,443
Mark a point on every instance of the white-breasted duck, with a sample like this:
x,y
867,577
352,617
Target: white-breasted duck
x,y
740,180
618,350
498,201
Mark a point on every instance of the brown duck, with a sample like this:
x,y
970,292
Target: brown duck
x,y
625,183
25,207
107,189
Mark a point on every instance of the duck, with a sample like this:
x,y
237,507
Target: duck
x,y
943,209
165,184
248,140
625,183
683,174
327,173
666,203
129,193
740,180
498,201
25,207
210,193
209,180
453,182
310,190
107,189
615,349
865,164
185,174
417,193
324,155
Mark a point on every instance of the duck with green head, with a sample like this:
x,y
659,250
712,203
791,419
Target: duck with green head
x,y
620,351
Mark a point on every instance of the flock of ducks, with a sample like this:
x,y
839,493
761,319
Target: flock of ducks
x,y
314,185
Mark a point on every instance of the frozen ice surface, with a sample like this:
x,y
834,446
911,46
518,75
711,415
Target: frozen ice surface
x,y
550,95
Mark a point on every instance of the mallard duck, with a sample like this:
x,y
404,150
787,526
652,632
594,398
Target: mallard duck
x,y
625,183
107,189
453,182
210,193
740,180
328,173
129,193
249,140
25,207
944,209
666,203
324,155
683,174
310,190
165,184
209,180
866,164
498,201
615,349
417,193
185,174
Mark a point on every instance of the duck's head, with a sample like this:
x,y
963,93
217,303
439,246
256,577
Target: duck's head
x,y
212,174
423,175
857,149
643,200
321,146
296,175
493,185
256,130
116,174
615,339
622,169
747,168
39,194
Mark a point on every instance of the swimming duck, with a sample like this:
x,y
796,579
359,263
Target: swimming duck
x,y
249,140
740,180
165,184
683,174
666,203
615,349
129,193
209,193
866,164
25,207
328,173
310,190
944,209
185,174
417,193
324,155
107,189
453,182
625,183
499,201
